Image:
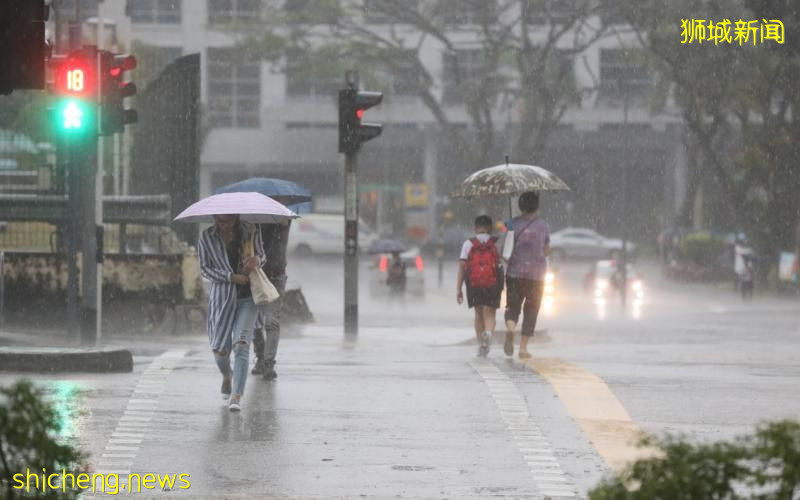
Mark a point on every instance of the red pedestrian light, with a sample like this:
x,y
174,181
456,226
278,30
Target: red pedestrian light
x,y
360,113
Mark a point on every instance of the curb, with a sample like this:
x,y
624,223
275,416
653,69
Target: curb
x,y
50,360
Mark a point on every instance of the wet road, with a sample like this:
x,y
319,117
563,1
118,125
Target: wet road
x,y
408,411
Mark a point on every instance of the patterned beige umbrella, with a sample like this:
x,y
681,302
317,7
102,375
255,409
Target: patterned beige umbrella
x,y
509,179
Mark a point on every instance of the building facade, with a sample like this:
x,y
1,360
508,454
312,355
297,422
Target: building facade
x,y
281,120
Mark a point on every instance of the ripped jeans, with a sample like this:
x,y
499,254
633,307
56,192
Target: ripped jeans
x,y
242,334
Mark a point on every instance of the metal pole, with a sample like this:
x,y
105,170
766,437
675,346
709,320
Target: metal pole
x,y
2,286
351,245
626,152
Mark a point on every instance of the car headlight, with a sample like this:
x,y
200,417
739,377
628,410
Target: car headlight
x,y
549,278
601,284
637,285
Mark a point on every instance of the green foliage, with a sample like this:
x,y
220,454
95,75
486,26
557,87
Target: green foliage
x,y
28,427
764,465
701,249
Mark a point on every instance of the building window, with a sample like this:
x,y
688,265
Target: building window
x,y
310,74
312,11
227,11
623,72
86,9
556,12
389,11
459,70
474,12
155,11
234,89
398,78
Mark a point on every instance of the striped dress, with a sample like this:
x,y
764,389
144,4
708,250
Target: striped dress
x,y
215,267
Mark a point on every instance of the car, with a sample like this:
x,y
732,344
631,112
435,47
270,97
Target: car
x,y
415,273
316,234
584,243
602,281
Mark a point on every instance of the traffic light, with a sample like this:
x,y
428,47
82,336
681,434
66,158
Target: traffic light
x,y
352,131
75,86
114,89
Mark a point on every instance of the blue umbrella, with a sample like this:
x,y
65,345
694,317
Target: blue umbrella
x,y
387,246
286,192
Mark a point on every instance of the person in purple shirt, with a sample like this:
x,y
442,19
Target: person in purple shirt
x,y
526,270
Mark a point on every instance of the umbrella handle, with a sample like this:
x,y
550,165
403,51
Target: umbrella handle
x,y
509,197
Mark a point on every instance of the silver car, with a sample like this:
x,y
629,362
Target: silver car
x,y
575,242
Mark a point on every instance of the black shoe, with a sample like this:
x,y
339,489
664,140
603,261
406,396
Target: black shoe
x,y
270,374
260,368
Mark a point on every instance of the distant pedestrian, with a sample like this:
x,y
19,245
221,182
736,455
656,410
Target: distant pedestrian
x,y
527,267
224,261
480,268
747,278
267,331
396,276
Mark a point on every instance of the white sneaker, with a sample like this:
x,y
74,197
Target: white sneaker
x,y
236,404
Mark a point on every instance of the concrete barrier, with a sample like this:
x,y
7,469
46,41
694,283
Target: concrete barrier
x,y
55,360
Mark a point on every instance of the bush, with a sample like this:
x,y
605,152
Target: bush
x,y
763,466
28,427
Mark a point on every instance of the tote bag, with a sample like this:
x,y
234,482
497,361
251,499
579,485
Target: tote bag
x,y
261,287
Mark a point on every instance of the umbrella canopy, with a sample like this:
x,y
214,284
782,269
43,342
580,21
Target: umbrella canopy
x,y
387,246
253,207
509,179
286,192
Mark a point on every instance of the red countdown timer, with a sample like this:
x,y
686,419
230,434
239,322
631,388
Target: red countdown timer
x,y
75,77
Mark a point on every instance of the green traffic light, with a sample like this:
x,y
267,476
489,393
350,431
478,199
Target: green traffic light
x,y
73,116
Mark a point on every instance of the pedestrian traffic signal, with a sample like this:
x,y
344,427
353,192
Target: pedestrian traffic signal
x,y
75,86
352,131
114,89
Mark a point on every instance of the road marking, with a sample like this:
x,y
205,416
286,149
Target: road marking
x,y
137,416
597,411
534,448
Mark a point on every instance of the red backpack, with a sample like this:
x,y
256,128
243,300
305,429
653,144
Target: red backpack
x,y
482,262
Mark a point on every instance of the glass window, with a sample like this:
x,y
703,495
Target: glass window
x,y
388,11
312,11
86,9
312,74
623,71
226,11
234,90
554,11
461,13
155,11
459,68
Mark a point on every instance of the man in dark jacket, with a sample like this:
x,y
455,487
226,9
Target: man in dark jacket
x,y
268,327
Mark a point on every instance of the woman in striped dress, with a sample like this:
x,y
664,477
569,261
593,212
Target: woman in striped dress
x,y
231,310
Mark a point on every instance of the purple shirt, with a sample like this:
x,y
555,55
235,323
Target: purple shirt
x,y
528,259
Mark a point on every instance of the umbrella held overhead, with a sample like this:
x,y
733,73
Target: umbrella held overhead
x,y
509,179
252,207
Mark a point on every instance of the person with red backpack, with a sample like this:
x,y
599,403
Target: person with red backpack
x,y
481,268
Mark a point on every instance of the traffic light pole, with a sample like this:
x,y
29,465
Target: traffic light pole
x,y
351,245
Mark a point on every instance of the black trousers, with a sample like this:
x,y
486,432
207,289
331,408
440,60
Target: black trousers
x,y
523,295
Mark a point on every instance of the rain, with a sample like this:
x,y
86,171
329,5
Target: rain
x,y
400,248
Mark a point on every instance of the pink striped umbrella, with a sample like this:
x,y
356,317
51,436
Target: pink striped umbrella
x,y
253,207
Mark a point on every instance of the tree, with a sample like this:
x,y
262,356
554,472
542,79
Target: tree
x,y
762,465
27,441
518,69
736,102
